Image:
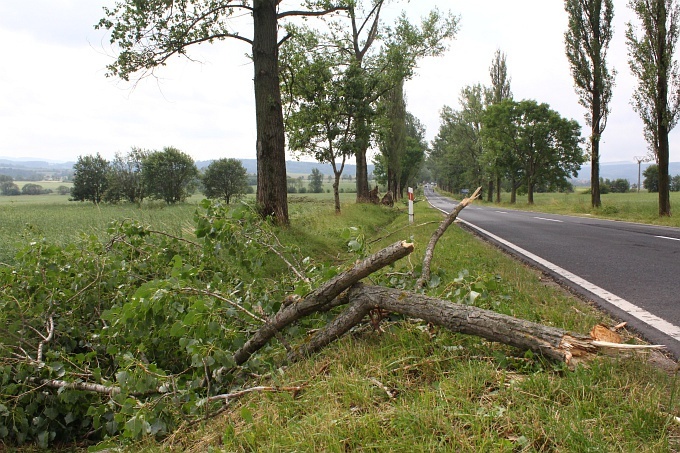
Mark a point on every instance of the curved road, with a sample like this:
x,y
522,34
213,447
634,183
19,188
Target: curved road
x,y
630,270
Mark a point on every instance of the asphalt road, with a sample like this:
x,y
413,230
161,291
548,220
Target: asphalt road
x,y
630,270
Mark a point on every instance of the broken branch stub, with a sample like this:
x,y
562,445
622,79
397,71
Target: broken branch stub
x,y
443,226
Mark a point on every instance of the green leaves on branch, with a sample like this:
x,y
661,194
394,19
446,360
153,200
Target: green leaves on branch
x,y
131,335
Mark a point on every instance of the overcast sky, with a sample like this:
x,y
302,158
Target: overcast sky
x,y
57,104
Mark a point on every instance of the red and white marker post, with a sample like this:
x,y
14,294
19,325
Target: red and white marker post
x,y
410,205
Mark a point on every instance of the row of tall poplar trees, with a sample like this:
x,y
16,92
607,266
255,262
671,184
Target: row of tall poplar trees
x,y
651,49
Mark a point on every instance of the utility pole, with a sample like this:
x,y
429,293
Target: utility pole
x,y
639,161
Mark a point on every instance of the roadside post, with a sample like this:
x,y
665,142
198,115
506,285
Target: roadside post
x,y
410,205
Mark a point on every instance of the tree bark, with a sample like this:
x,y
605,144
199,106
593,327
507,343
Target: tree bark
x,y
552,342
662,112
272,197
320,298
595,151
362,166
664,180
498,189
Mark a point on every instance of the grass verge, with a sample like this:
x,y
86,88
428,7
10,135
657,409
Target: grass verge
x,y
417,388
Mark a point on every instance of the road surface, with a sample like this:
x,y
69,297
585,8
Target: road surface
x,y
630,270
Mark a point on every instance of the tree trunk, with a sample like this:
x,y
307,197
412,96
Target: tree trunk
x,y
336,193
595,152
272,197
662,112
513,192
552,342
498,189
361,146
530,192
489,196
362,176
664,182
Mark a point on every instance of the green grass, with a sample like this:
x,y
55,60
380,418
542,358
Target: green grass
x,y
449,392
452,392
60,221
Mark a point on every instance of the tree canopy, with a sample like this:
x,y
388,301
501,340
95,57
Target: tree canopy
x,y
657,96
536,142
90,178
226,179
169,175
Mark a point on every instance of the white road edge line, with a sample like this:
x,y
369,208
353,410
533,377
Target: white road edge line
x,y
549,220
648,318
666,237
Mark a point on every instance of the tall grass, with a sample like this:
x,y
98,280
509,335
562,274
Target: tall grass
x,y
62,222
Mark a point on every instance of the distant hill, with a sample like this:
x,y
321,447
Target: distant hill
x,y
625,170
294,167
35,170
35,164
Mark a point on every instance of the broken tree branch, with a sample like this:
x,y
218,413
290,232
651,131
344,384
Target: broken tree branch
x,y
429,251
320,297
552,342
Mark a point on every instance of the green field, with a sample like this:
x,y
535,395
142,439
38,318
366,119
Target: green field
x,y
445,391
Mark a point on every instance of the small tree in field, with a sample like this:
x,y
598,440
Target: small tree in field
x,y
226,179
125,177
9,188
169,175
675,183
651,181
34,189
90,178
316,181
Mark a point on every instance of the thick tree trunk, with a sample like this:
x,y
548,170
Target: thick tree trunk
x,y
336,193
362,176
272,198
595,152
549,341
362,139
489,196
664,182
498,189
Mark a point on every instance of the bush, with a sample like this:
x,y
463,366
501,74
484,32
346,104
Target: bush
x,y
63,190
9,188
34,189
